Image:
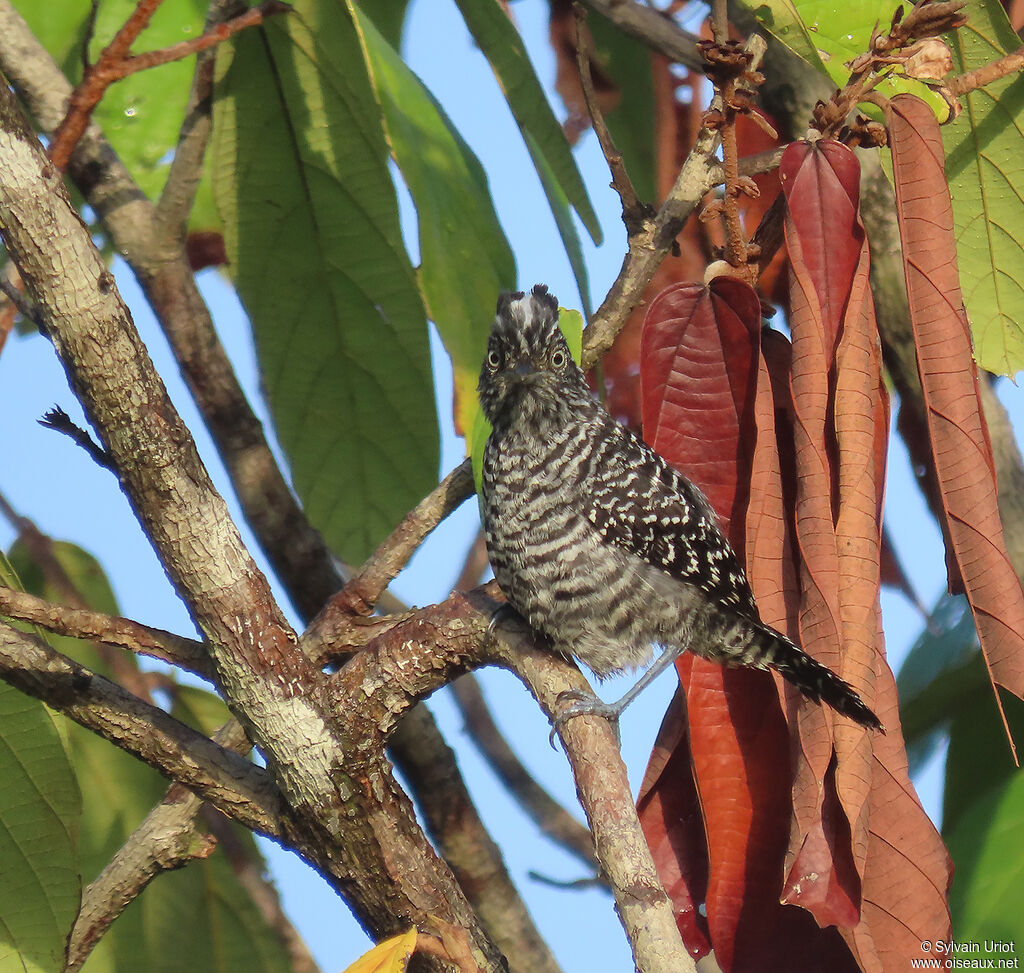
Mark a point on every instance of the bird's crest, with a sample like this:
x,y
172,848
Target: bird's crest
x,y
527,322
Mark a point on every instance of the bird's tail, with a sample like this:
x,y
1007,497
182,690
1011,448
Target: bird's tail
x,y
771,649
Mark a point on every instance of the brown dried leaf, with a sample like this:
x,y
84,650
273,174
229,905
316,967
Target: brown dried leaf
x,y
961,450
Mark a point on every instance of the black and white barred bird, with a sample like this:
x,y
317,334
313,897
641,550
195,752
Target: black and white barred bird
x,y
601,545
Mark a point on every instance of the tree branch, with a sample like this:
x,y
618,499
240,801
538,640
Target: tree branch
x,y
354,834
633,210
362,592
421,654
553,820
655,29
82,623
987,73
655,239
240,789
153,250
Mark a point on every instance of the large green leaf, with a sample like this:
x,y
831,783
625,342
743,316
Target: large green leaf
x,y
226,932
465,259
987,846
142,114
503,47
312,232
985,168
40,808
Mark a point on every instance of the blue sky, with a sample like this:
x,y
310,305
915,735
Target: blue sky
x,y
49,480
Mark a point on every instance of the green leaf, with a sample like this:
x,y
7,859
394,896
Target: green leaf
x,y
987,845
503,47
465,259
571,323
829,35
40,810
985,168
312,232
978,758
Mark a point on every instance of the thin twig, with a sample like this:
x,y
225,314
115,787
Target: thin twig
x,y
82,623
655,242
362,592
237,787
987,73
633,210
115,63
58,420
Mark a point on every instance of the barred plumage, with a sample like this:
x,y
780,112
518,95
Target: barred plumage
x,y
595,540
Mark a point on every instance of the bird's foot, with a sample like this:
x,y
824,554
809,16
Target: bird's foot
x,y
576,703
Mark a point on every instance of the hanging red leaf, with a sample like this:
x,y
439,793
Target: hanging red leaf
x,y
959,438
700,375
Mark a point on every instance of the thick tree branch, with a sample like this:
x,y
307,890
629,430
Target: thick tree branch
x,y
240,789
421,654
151,242
364,838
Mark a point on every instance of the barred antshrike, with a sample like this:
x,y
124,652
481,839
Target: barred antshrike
x,y
597,542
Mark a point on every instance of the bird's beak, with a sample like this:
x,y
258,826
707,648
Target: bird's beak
x,y
523,367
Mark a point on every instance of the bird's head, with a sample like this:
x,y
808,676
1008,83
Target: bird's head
x,y
528,371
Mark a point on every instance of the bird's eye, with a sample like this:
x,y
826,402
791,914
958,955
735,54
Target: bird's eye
x,y
493,359
557,359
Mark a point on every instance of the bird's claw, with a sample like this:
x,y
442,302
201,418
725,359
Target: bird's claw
x,y
583,704
502,613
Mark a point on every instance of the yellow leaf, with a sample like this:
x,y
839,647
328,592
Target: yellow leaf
x,y
390,956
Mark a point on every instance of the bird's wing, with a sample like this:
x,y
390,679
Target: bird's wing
x,y
640,504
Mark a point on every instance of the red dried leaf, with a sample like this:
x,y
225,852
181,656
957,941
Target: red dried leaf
x,y
698,374
840,436
959,438
700,360
822,183
908,870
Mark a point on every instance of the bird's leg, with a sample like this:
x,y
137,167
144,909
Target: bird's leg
x,y
592,706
